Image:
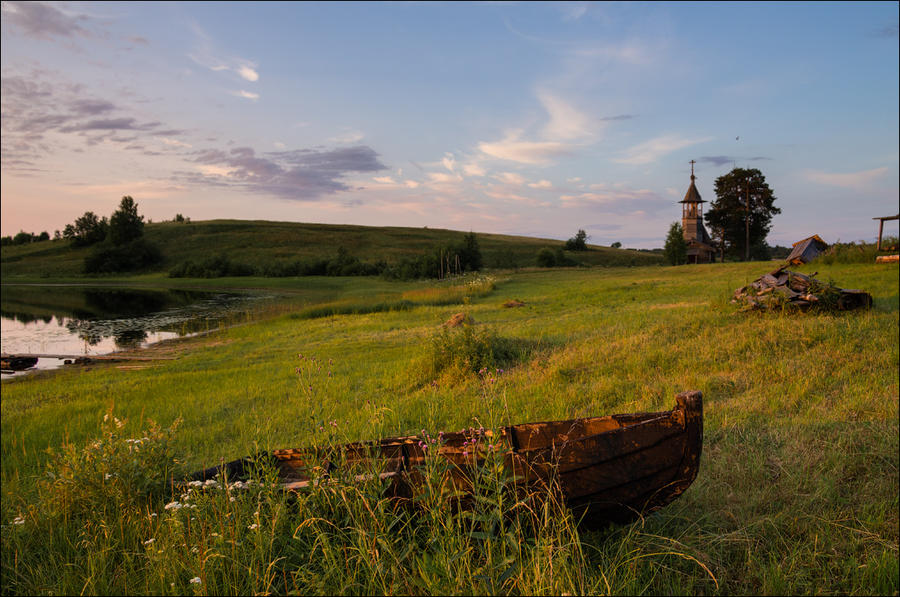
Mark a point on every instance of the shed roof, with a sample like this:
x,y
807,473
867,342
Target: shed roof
x,y
806,250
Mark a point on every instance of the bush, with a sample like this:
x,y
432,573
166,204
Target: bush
x,y
217,266
469,349
548,257
136,255
578,242
859,252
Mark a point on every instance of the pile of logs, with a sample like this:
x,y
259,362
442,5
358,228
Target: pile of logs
x,y
784,288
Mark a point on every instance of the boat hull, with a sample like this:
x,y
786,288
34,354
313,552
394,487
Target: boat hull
x,y
606,469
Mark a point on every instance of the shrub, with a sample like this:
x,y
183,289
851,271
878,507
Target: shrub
x,y
578,242
546,257
468,349
136,255
217,266
859,252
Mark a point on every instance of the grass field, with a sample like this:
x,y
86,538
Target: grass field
x,y
797,491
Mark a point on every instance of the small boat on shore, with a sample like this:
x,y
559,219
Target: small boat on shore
x,y
608,469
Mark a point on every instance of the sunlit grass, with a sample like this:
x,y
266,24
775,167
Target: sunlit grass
x,y
796,492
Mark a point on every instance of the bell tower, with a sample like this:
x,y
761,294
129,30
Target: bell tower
x,y
700,249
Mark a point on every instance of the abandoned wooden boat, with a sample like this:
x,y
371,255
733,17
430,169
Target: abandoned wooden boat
x,y
608,469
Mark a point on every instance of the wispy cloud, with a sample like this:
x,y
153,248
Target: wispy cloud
x,y
246,94
37,106
473,169
565,122
653,149
303,174
511,178
347,137
848,180
617,200
573,11
248,72
109,124
888,31
514,149
205,55
43,21
566,130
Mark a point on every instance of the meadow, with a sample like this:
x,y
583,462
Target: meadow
x,y
797,490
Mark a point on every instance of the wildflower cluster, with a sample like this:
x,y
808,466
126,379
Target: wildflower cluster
x,y
489,377
112,469
429,441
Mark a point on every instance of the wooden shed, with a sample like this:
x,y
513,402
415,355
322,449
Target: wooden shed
x,y
806,250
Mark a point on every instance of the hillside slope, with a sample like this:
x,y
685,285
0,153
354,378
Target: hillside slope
x,y
262,242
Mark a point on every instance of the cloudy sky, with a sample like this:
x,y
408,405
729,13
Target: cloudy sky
x,y
518,118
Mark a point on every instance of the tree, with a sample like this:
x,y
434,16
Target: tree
x,y
616,245
23,238
126,225
741,215
578,242
87,230
470,253
676,247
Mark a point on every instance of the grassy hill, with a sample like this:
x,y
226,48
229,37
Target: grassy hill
x,y
260,242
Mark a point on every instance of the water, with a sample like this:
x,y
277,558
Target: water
x,y
76,320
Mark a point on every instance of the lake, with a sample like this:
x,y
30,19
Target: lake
x,y
91,321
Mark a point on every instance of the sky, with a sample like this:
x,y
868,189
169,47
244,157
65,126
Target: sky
x,y
529,118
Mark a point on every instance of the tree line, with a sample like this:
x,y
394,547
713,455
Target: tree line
x,y
440,262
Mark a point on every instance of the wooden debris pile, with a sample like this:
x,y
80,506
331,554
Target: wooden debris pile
x,y
784,288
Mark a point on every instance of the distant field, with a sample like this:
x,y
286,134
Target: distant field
x,y
797,490
261,242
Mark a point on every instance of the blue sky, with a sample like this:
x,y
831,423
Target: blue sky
x,y
516,118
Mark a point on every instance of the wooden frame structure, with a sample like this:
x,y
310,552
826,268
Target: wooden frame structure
x,y
881,222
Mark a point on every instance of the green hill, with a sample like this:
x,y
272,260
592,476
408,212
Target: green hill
x,y
258,243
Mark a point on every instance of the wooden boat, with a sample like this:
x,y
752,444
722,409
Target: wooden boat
x,y
608,469
16,363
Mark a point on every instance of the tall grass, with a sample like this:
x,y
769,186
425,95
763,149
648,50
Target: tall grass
x,y
99,523
859,252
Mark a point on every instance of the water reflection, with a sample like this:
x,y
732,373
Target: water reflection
x,y
94,321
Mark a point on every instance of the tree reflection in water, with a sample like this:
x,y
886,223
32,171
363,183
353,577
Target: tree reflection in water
x,y
128,317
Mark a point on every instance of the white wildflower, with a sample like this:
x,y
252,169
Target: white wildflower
x,y
149,541
196,580
173,506
19,520
253,526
